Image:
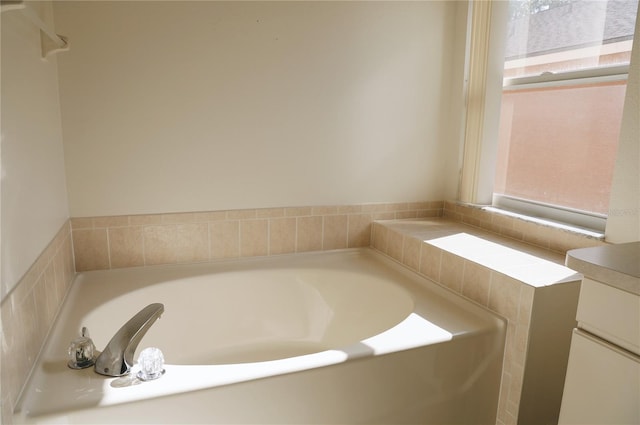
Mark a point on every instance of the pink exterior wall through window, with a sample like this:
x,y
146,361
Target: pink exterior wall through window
x,y
557,145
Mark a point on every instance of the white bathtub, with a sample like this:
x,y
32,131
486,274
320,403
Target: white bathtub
x,y
334,337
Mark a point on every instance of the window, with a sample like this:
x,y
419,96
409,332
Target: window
x,y
565,70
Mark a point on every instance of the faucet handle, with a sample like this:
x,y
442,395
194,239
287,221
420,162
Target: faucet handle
x,y
82,351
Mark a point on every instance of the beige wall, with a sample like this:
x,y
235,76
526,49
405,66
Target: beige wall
x,y
199,106
34,196
623,224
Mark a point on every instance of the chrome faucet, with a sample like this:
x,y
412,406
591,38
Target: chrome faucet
x,y
117,357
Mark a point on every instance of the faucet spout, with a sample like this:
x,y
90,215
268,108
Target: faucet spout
x,y
117,357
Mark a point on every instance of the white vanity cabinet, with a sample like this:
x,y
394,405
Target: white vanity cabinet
x,y
602,384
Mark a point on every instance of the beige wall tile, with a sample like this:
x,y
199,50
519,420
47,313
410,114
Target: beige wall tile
x,y
297,211
82,223
60,276
126,246
428,213
27,317
309,237
91,249
201,217
349,209
525,227
509,344
160,244
241,214
411,253
512,233
430,260
455,216
472,221
371,208
192,243
418,205
282,235
502,221
51,289
145,219
178,218
270,212
324,210
521,341
62,279
476,281
504,295
395,245
254,238
111,221
380,235
224,239
449,205
515,392
359,230
388,215
334,232
451,269
505,386
398,206
401,215
69,263
41,309
526,304
538,235
216,215
29,321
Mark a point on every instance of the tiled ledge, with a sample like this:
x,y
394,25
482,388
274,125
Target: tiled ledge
x,y
140,240
519,281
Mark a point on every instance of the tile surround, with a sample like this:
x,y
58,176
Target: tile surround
x,y
138,240
28,312
102,243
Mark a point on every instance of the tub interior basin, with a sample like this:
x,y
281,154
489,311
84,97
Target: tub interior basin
x,y
249,312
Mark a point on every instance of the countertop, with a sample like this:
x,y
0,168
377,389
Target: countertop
x,y
614,265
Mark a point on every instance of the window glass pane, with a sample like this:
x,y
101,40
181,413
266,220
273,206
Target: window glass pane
x,y
567,35
557,145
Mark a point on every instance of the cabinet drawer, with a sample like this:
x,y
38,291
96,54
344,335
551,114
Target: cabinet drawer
x,y
602,384
610,313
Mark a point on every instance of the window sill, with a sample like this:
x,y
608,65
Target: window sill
x,y
547,234
549,223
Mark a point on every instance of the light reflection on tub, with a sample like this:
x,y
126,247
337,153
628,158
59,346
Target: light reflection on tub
x,y
280,329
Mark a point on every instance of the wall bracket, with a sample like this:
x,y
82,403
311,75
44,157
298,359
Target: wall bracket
x,y
50,42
